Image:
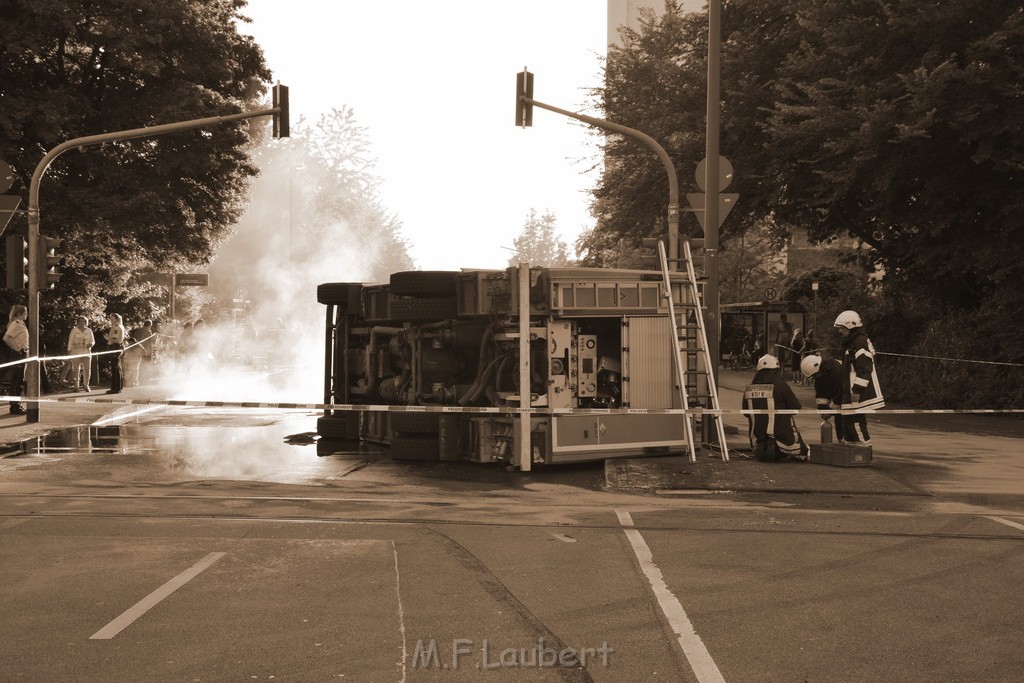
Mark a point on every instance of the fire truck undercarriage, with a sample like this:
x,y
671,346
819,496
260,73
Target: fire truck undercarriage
x,y
441,365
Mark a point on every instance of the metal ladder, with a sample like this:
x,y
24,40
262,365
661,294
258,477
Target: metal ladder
x,y
694,347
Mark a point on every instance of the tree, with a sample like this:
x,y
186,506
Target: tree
x,y
70,68
539,245
896,122
752,262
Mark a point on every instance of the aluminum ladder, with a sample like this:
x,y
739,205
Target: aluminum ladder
x,y
690,345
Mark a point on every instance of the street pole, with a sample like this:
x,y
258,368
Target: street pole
x,y
711,184
666,161
33,369
814,288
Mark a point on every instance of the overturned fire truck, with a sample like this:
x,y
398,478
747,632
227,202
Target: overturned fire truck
x,y
522,366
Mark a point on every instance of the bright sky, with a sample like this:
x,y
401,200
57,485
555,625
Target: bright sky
x,y
434,85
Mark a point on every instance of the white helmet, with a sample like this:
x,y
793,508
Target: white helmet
x,y
768,362
849,320
810,365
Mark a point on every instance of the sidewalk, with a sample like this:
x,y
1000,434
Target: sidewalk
x,y
914,455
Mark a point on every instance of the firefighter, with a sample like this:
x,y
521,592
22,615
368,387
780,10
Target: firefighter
x,y
860,389
827,376
773,437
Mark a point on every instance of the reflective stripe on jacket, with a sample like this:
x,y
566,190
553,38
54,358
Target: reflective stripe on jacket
x,y
861,390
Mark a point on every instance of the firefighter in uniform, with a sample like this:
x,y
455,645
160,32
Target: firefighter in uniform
x,y
860,390
772,436
827,376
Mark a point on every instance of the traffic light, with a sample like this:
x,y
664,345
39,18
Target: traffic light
x,y
524,88
17,262
649,257
281,129
48,273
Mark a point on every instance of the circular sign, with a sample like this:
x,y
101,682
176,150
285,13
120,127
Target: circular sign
x,y
6,176
724,173
770,293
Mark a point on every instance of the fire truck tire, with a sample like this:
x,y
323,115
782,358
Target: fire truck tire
x,y
424,309
415,448
424,283
338,427
415,423
344,295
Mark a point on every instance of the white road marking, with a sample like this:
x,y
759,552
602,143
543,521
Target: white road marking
x,y
144,605
704,667
1007,522
401,612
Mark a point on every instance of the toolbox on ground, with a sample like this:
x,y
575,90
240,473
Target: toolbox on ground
x,y
840,454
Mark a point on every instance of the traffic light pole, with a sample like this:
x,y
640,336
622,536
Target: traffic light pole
x,y
711,184
666,160
34,286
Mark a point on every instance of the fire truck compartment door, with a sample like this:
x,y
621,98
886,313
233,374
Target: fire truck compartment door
x,y
574,433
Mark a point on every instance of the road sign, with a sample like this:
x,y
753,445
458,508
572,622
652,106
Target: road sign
x,y
192,280
770,293
6,176
8,205
725,173
726,200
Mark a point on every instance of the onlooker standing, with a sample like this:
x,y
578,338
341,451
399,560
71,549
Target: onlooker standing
x,y
827,376
115,342
796,355
783,337
758,349
146,336
16,339
80,342
772,436
861,390
131,360
810,344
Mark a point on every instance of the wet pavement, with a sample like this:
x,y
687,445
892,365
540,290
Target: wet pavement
x,y
964,460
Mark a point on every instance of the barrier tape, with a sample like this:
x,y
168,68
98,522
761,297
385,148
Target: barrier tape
x,y
77,355
506,410
485,410
909,355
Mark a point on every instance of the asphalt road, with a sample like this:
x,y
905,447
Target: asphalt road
x,y
201,545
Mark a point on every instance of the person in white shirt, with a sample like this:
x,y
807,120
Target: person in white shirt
x,y
80,343
16,341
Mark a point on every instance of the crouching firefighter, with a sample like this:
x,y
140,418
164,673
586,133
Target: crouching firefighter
x,y
861,392
773,437
827,376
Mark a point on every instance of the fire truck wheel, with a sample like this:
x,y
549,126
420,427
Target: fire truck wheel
x,y
415,448
425,309
343,427
415,423
344,295
424,283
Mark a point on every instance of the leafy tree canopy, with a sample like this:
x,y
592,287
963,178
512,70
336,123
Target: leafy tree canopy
x,y
70,68
539,245
898,122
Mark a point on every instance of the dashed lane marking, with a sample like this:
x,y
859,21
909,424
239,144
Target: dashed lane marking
x,y
151,600
1007,522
